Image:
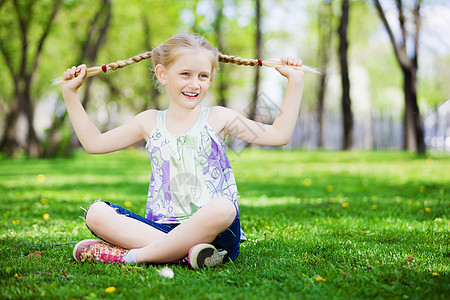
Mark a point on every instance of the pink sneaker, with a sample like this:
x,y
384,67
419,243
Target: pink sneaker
x,y
206,255
99,251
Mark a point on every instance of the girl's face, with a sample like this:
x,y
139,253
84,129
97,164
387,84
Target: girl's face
x,y
188,78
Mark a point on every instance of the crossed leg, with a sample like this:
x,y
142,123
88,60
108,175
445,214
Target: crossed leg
x,y
154,245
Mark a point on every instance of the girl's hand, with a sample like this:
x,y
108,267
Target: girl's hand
x,y
74,78
289,72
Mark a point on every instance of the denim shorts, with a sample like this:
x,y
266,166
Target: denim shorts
x,y
228,240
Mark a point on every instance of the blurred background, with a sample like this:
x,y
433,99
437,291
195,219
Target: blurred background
x,y
385,67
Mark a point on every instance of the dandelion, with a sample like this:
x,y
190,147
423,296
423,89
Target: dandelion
x,y
166,272
374,207
422,189
128,204
267,227
41,178
16,275
345,204
427,209
44,201
375,198
435,274
307,182
320,279
329,188
46,216
15,222
110,289
305,254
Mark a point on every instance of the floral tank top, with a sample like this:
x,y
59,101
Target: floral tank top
x,y
188,170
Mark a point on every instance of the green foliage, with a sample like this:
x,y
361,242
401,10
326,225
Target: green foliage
x,y
320,225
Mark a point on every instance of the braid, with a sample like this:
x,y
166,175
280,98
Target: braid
x,y
258,62
237,60
124,63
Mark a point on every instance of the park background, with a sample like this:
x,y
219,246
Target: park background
x,y
321,224
359,103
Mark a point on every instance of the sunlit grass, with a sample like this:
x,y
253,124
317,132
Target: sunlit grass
x,y
320,225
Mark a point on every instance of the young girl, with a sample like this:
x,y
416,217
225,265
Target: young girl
x,y
192,205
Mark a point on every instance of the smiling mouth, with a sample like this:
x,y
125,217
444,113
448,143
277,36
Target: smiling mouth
x,y
191,95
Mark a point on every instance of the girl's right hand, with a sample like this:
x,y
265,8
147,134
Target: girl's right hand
x,y
74,78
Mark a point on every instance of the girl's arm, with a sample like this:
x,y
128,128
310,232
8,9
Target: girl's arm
x,y
92,140
280,132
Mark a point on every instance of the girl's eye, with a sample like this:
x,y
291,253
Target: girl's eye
x,y
204,76
185,74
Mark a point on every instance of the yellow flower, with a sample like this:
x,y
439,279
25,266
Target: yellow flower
x,y
307,182
320,279
44,201
345,204
435,274
267,227
305,254
374,198
374,207
16,275
41,178
427,209
329,188
128,204
15,222
46,216
110,289
422,189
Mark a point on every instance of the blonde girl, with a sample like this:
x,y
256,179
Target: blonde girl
x,y
192,212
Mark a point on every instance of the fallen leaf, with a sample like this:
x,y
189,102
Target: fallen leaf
x,y
35,254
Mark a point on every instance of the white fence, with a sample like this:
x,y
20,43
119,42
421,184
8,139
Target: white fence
x,y
382,130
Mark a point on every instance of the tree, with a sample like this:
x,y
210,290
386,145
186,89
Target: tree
x,y
325,14
347,114
21,48
258,48
93,40
407,57
223,85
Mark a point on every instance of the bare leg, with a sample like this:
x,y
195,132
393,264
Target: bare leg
x,y
118,229
154,245
202,227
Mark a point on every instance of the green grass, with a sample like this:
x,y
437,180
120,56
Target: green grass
x,y
390,241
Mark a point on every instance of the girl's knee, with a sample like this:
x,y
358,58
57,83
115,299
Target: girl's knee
x,y
96,212
223,211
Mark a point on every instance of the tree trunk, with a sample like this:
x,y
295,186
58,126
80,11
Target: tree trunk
x,y
347,114
90,49
223,86
413,137
153,92
325,33
413,134
22,75
254,103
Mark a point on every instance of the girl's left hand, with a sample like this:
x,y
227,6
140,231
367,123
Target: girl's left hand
x,y
289,72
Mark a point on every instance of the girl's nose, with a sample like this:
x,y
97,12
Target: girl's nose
x,y
194,83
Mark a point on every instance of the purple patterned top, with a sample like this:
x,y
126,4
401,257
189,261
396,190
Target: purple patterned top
x,y
188,170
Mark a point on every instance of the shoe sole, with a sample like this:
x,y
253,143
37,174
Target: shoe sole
x,y
87,242
206,255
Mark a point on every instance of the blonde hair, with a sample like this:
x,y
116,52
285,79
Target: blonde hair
x,y
166,53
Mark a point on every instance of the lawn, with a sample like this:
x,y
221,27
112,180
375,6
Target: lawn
x,y
320,225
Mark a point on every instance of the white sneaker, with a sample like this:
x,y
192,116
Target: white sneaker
x,y
202,255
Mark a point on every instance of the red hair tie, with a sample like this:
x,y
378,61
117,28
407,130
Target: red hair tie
x,y
104,68
260,62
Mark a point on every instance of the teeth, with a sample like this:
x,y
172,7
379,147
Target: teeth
x,y
190,94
